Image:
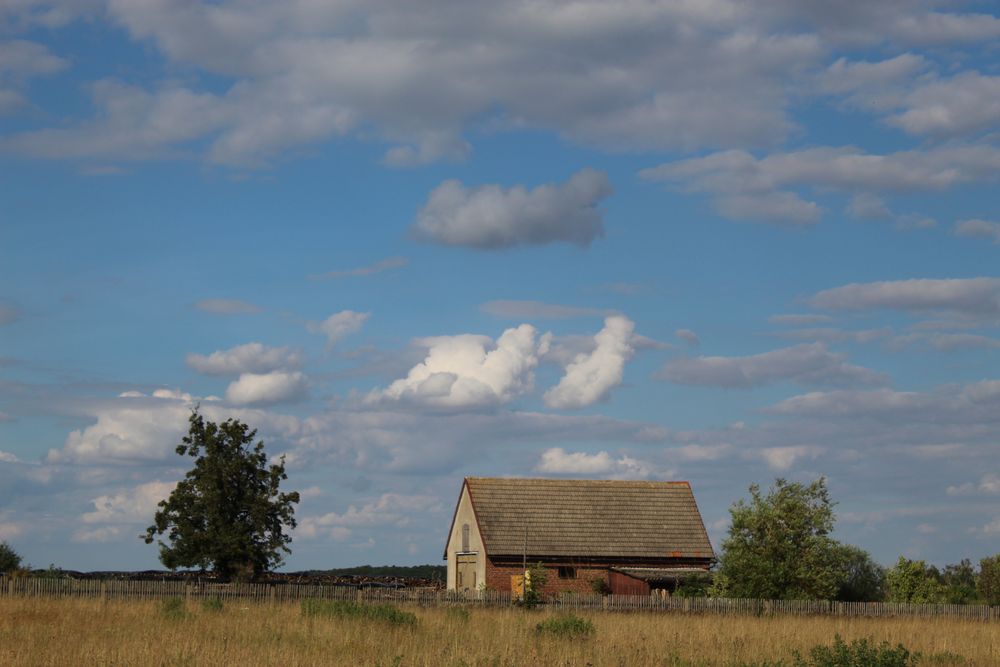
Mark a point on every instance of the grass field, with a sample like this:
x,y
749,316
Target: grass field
x,y
93,632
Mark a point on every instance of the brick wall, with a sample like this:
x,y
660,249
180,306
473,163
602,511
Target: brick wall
x,y
498,578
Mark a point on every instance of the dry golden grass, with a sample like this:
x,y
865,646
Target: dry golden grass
x,y
93,632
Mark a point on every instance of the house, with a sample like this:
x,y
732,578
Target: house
x,y
635,537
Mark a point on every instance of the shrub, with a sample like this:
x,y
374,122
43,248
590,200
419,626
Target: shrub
x,y
213,604
859,653
173,608
385,613
566,625
600,585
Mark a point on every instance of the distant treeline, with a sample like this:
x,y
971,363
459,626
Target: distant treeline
x,y
398,571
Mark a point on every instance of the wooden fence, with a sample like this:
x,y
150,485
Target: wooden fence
x,y
262,593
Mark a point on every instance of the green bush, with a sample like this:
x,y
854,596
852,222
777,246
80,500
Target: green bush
x,y
213,604
859,653
173,608
385,613
566,625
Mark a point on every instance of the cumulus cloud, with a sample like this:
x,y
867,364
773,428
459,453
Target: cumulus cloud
x,y
129,506
783,458
135,428
558,461
973,297
489,217
267,388
248,358
965,104
983,229
339,325
745,187
590,377
988,485
227,307
803,364
537,310
389,509
467,371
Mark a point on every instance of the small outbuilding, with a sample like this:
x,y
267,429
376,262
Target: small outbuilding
x,y
625,537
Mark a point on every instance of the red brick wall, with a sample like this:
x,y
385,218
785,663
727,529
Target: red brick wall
x,y
498,578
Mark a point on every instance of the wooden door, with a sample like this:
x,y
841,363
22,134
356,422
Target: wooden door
x,y
465,579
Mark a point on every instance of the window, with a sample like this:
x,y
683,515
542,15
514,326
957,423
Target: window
x,y
465,537
567,572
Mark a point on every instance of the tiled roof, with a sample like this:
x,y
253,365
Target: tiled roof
x,y
589,518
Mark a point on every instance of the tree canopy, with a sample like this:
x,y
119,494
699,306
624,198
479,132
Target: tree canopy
x,y
227,513
10,560
779,547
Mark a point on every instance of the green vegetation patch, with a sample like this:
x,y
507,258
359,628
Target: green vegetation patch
x,y
566,625
385,613
173,608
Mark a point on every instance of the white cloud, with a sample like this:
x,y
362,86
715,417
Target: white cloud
x,y
799,320
965,104
380,266
988,485
985,229
803,364
130,506
964,296
390,509
248,358
745,187
227,307
467,371
489,217
134,428
783,458
538,310
11,529
560,462
990,529
7,457
590,377
267,388
339,325
835,335
97,535
946,342
688,336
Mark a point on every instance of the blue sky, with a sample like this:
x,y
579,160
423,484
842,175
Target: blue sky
x,y
718,241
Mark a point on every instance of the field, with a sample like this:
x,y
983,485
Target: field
x,y
41,631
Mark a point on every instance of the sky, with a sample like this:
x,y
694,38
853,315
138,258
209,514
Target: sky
x,y
718,241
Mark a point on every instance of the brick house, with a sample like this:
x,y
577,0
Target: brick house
x,y
636,537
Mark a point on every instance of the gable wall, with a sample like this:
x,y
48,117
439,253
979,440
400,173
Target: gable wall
x,y
464,514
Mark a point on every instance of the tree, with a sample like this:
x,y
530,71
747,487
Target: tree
x,y
778,545
861,578
10,560
227,513
989,580
960,582
916,582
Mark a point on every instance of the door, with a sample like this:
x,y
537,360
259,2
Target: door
x,y
465,579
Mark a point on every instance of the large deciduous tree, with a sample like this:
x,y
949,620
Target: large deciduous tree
x,y
227,513
915,581
779,547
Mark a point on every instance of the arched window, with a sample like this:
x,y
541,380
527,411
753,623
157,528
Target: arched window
x,y
465,537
